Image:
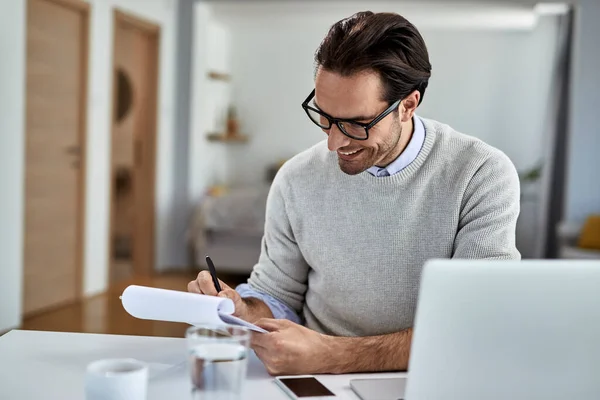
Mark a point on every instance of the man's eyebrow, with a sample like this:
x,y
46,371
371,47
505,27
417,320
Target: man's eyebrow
x,y
357,118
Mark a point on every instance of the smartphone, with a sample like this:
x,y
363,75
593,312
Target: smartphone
x,y
303,387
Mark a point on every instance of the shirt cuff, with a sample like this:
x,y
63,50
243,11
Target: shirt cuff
x,y
279,309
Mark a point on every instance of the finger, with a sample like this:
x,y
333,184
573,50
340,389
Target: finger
x,y
193,287
230,294
262,354
224,285
206,284
233,295
256,345
238,303
271,324
269,360
261,340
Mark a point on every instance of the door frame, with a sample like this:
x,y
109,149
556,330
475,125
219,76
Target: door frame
x,y
83,8
154,32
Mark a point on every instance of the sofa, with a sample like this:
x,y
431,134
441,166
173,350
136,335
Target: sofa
x,y
568,234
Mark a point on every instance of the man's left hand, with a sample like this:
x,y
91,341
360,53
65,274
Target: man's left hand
x,y
291,349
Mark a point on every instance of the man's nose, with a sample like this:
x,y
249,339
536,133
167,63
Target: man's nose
x,y
336,138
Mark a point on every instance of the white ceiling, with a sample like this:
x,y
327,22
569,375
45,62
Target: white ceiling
x,y
481,14
315,3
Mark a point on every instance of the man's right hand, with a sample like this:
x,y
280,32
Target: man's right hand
x,y
204,285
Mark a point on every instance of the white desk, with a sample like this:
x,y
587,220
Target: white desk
x,y
51,365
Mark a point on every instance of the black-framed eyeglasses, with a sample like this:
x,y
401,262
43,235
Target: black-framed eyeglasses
x,y
353,129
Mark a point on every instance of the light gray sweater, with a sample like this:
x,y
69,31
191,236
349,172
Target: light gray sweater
x,y
346,252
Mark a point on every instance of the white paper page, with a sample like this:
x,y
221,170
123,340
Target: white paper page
x,y
230,319
174,306
177,306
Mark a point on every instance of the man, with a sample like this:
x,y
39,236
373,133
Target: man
x,y
351,221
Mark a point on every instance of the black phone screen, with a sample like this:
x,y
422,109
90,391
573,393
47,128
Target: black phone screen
x,y
306,387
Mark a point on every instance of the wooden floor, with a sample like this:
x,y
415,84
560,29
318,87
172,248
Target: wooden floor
x,y
105,314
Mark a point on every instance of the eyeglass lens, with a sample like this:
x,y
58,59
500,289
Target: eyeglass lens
x,y
354,130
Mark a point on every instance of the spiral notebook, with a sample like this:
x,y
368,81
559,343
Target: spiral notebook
x,y
175,306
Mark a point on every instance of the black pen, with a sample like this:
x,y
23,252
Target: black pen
x,y
213,273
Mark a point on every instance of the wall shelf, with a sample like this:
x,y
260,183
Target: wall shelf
x,y
223,137
219,76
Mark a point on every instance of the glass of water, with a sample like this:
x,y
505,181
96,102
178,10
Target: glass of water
x,y
218,361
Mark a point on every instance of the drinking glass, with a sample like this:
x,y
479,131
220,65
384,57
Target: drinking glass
x,y
218,361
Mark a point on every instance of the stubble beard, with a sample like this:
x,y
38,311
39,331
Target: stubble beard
x,y
370,156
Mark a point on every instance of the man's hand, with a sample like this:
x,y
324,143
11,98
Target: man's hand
x,y
292,349
247,309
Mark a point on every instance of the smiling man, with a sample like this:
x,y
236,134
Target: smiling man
x,y
351,221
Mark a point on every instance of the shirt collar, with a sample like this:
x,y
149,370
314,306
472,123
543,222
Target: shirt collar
x,y
409,154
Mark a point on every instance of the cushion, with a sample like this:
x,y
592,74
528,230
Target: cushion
x,y
590,233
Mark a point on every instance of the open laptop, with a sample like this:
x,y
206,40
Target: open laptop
x,y
497,330
379,388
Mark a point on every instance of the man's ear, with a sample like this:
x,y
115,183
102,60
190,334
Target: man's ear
x,y
409,105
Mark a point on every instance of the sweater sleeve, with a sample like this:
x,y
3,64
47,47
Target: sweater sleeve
x,y
489,212
281,271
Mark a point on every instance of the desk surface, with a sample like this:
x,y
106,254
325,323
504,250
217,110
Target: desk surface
x,y
51,365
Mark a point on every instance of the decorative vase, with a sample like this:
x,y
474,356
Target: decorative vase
x,y
232,123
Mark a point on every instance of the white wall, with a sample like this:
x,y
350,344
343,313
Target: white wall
x,y
490,79
209,101
494,85
162,13
12,131
12,120
583,185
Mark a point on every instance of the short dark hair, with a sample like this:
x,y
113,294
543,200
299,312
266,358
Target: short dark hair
x,y
384,42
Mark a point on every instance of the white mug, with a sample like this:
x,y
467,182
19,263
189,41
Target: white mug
x,y
116,379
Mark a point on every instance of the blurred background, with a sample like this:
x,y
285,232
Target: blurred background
x,y
138,136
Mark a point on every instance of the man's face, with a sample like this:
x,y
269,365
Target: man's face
x,y
357,97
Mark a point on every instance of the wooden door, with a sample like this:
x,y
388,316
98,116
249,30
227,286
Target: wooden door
x,y
133,147
57,32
